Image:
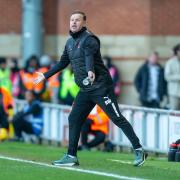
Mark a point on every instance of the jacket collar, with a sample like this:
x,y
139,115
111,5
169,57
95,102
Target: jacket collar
x,y
77,34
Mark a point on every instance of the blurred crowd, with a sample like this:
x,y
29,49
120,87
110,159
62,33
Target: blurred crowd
x,y
16,82
152,82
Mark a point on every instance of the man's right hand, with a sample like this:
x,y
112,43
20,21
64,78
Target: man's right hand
x,y
40,77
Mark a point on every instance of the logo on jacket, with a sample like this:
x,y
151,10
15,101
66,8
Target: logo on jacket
x,y
107,100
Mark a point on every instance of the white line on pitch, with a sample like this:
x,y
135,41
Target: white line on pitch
x,y
120,161
72,169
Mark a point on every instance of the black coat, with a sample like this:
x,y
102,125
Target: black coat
x,y
142,80
82,51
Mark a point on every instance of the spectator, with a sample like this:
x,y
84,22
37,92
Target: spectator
x,y
172,75
96,124
150,83
15,77
68,88
3,120
6,88
114,74
30,119
5,80
28,74
6,107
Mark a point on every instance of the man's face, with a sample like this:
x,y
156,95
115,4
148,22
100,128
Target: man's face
x,y
33,63
153,59
76,22
29,96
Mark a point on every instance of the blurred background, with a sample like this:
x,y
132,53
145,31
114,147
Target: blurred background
x,y
129,31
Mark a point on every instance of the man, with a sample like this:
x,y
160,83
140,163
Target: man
x,y
5,80
150,83
30,119
82,50
172,75
97,124
6,113
4,126
27,75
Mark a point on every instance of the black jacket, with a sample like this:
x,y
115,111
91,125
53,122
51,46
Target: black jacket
x,y
142,80
82,50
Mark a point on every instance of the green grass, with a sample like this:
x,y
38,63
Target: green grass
x,y
154,168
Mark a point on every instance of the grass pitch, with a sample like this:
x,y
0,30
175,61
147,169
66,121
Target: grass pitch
x,y
114,163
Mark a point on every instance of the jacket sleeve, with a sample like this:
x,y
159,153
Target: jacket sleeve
x,y
34,109
138,80
63,63
169,73
91,47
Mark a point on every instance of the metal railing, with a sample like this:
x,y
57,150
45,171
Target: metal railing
x,y
156,128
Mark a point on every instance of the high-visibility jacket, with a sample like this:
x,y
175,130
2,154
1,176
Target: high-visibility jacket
x,y
7,99
68,85
43,69
51,83
27,80
53,80
100,120
5,80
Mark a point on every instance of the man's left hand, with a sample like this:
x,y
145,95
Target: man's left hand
x,y
91,76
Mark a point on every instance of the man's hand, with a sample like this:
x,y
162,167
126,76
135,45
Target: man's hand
x,y
91,76
40,77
